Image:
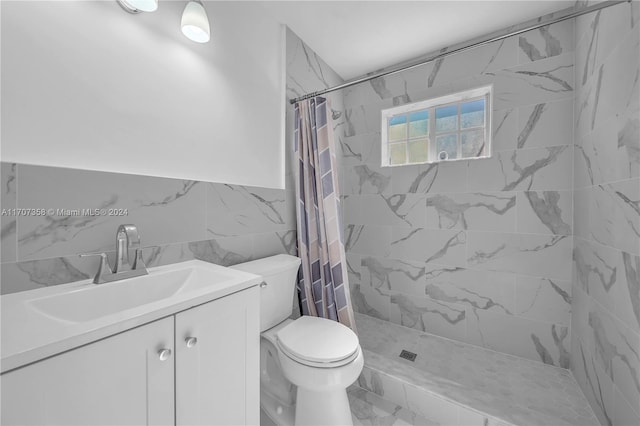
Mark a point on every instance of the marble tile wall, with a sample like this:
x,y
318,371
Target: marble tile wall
x,y
177,219
605,321
477,251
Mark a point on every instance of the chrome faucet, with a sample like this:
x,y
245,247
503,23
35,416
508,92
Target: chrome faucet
x,y
127,239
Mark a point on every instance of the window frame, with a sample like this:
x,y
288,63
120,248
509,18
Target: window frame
x,y
430,105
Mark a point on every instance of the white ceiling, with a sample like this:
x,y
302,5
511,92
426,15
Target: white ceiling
x,y
358,37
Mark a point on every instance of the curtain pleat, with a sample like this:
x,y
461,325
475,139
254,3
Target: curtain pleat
x,y
323,285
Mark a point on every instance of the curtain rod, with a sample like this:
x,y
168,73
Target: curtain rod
x,y
463,48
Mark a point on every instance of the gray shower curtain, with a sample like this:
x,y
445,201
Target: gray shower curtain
x,y
323,285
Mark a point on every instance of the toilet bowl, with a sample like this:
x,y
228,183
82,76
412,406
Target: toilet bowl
x,y
306,364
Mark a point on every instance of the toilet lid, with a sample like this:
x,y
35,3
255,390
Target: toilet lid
x,y
318,341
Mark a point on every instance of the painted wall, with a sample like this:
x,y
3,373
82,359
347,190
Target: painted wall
x,y
177,219
477,251
86,85
605,322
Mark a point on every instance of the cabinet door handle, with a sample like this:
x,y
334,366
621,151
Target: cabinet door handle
x,y
191,341
164,354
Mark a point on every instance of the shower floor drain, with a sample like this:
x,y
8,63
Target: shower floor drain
x,y
408,355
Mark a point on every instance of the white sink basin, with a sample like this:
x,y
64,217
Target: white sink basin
x,y
98,300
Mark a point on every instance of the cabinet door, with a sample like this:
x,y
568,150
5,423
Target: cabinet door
x,y
217,379
116,381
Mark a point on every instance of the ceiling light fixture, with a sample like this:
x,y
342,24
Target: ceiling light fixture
x,y
195,23
137,6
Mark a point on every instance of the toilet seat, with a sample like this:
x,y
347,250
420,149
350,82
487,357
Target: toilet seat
x,y
318,342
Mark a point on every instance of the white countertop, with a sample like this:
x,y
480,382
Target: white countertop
x,y
29,335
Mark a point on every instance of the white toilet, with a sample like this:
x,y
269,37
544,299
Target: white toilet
x,y
306,364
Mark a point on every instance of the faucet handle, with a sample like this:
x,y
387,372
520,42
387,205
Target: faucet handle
x,y
103,269
138,262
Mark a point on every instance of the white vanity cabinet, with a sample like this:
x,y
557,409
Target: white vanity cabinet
x,y
218,376
132,379
120,380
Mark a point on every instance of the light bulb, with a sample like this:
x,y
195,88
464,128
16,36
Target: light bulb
x,y
195,24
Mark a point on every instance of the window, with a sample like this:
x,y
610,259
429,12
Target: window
x,y
452,127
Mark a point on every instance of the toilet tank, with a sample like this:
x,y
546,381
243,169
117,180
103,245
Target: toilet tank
x,y
280,272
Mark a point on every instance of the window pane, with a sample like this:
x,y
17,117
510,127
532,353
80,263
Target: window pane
x,y
398,128
472,143
418,150
448,144
472,114
397,153
447,118
419,123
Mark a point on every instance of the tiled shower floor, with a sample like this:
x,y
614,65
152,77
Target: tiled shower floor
x,y
453,383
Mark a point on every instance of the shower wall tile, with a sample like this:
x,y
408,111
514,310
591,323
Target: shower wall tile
x,y
606,305
8,239
505,130
164,210
614,349
615,215
541,81
544,124
626,293
608,154
366,179
367,240
485,59
442,247
364,119
545,212
461,287
402,210
403,276
479,212
594,382
388,87
430,178
360,149
521,253
353,267
370,301
545,42
543,299
527,169
536,340
439,243
425,314
581,214
623,413
351,209
305,70
612,90
597,270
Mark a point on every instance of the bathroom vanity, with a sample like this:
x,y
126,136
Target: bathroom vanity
x,y
183,350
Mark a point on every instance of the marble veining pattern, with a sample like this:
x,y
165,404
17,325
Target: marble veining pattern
x,y
48,246
502,388
461,248
605,346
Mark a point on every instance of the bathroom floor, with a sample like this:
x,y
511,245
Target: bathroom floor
x,y
456,383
